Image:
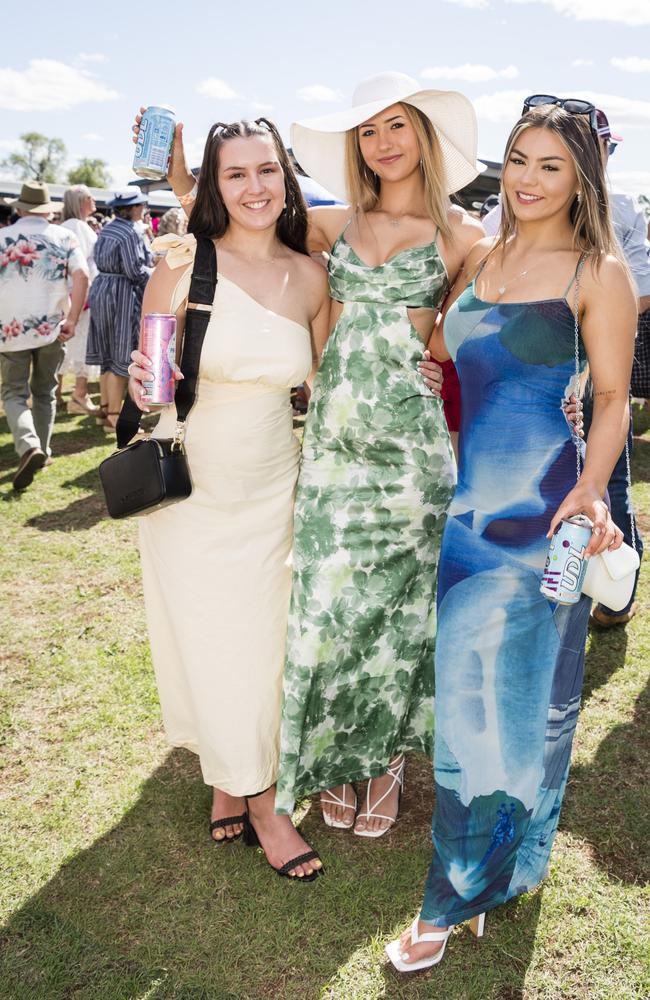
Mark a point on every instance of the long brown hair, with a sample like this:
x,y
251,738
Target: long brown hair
x,y
364,186
209,215
589,212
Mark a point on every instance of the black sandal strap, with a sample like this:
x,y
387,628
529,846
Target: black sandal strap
x,y
301,859
228,821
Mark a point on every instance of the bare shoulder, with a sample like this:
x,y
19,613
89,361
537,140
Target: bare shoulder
x,y
161,286
329,221
607,276
465,229
311,280
477,253
310,271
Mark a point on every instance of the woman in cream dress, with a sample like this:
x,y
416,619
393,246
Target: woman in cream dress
x,y
216,567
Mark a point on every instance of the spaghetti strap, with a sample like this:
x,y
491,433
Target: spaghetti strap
x,y
576,274
481,266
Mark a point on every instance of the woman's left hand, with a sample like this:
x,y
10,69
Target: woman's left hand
x,y
431,373
584,499
572,408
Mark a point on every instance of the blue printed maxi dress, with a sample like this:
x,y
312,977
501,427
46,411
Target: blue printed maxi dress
x,y
509,663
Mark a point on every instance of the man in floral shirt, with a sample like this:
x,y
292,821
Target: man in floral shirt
x,y
37,316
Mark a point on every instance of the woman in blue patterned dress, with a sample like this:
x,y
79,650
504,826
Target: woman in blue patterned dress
x,y
509,663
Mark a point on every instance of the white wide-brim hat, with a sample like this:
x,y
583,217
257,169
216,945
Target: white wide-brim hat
x,y
319,143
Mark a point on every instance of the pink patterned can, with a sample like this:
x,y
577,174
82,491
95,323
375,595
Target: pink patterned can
x,y
565,568
158,342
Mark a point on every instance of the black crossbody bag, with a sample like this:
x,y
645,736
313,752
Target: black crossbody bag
x,y
153,473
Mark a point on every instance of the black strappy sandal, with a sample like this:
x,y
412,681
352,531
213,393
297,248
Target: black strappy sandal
x,y
221,824
252,840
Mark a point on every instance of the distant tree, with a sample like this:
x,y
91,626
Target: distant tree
x,y
94,173
40,160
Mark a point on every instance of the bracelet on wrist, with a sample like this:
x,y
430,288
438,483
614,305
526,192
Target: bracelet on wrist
x,y
187,199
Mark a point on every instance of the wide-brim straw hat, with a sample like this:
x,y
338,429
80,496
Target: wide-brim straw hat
x,y
319,143
35,199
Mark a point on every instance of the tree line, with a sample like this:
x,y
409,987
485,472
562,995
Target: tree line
x,y
42,159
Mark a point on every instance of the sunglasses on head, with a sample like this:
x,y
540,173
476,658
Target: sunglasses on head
x,y
574,106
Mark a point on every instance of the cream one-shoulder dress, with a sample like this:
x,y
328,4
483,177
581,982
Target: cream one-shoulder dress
x,y
216,567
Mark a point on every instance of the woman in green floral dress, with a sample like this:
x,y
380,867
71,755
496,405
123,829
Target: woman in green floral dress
x,y
377,470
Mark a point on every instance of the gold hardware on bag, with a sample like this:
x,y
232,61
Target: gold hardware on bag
x,y
200,306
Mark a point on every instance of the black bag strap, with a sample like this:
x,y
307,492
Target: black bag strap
x,y
199,309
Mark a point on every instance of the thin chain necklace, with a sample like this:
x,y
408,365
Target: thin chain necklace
x,y
504,284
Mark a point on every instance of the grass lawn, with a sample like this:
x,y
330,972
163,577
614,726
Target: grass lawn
x,y
110,887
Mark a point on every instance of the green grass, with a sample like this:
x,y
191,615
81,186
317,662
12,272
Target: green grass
x,y
110,887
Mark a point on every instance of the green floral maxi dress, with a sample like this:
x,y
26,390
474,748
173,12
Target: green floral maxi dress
x,y
376,479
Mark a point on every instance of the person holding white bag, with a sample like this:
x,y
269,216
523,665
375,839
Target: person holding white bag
x,y
549,296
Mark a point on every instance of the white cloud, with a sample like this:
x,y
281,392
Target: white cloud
x,y
317,93
502,106
582,62
631,181
48,85
92,57
217,90
631,64
632,12
194,150
261,107
92,137
470,72
621,111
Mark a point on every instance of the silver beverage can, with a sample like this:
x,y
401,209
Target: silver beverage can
x,y
155,141
158,343
565,568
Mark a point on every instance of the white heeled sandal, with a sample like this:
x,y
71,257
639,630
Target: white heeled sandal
x,y
396,953
330,798
396,771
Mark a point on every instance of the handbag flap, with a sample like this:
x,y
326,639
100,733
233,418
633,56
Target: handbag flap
x,y
620,562
132,478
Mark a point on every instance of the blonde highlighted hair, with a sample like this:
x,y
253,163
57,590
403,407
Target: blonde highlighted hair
x,y
590,213
363,185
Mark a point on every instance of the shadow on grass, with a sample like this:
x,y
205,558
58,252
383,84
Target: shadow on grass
x,y
153,908
608,802
80,515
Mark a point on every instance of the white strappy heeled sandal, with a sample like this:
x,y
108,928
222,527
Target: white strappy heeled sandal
x,y
396,953
396,771
330,798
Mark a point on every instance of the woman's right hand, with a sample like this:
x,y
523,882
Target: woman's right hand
x,y
139,373
178,168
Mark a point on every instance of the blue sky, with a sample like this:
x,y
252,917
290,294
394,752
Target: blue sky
x,y
82,76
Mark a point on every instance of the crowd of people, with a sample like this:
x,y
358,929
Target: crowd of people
x,y
71,286
316,616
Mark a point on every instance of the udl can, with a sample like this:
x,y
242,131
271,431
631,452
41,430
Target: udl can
x,y
565,568
158,342
155,141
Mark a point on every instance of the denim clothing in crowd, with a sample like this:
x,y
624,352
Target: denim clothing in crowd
x,y
620,503
124,265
